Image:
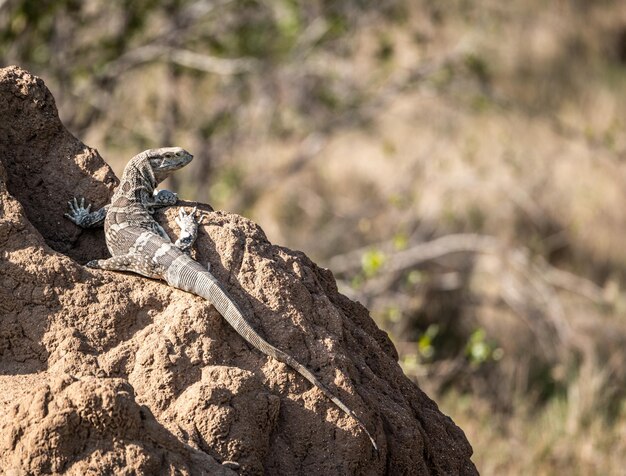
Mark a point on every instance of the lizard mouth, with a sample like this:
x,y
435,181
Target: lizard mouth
x,y
169,164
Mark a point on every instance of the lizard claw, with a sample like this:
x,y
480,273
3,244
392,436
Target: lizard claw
x,y
197,216
188,220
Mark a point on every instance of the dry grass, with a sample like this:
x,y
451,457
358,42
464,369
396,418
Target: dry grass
x,y
538,442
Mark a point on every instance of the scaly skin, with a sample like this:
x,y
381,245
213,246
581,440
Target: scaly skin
x,y
140,245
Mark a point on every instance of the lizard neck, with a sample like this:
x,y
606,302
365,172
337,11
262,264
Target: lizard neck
x,y
137,184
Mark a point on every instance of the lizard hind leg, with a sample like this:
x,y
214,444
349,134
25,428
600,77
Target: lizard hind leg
x,y
133,262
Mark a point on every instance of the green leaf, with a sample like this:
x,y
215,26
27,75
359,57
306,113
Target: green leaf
x,y
371,262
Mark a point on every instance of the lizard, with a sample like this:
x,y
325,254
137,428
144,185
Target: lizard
x,y
138,244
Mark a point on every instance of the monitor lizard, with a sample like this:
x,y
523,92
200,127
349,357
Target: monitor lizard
x,y
138,244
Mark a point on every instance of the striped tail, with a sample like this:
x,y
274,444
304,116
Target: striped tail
x,y
186,274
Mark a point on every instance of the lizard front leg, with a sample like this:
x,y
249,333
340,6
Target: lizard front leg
x,y
188,224
83,217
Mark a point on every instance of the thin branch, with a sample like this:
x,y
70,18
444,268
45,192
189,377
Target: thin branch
x,y
573,283
458,243
211,64
190,59
418,254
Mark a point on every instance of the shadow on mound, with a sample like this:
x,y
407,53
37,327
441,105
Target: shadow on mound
x,y
46,166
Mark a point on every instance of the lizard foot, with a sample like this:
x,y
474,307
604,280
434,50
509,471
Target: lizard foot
x,y
165,198
83,216
188,223
78,213
93,264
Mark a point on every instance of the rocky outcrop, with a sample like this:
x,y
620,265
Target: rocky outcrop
x,y
108,373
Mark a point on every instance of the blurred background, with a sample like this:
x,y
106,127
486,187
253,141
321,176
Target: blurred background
x,y
459,165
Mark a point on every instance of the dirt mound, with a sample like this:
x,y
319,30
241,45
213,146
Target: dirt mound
x,y
93,426
110,373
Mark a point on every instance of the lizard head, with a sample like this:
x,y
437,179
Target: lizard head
x,y
165,160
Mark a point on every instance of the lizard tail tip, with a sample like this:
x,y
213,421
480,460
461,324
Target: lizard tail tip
x,y
369,436
373,443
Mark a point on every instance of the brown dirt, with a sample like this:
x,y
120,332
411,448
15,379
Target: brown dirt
x,y
110,373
